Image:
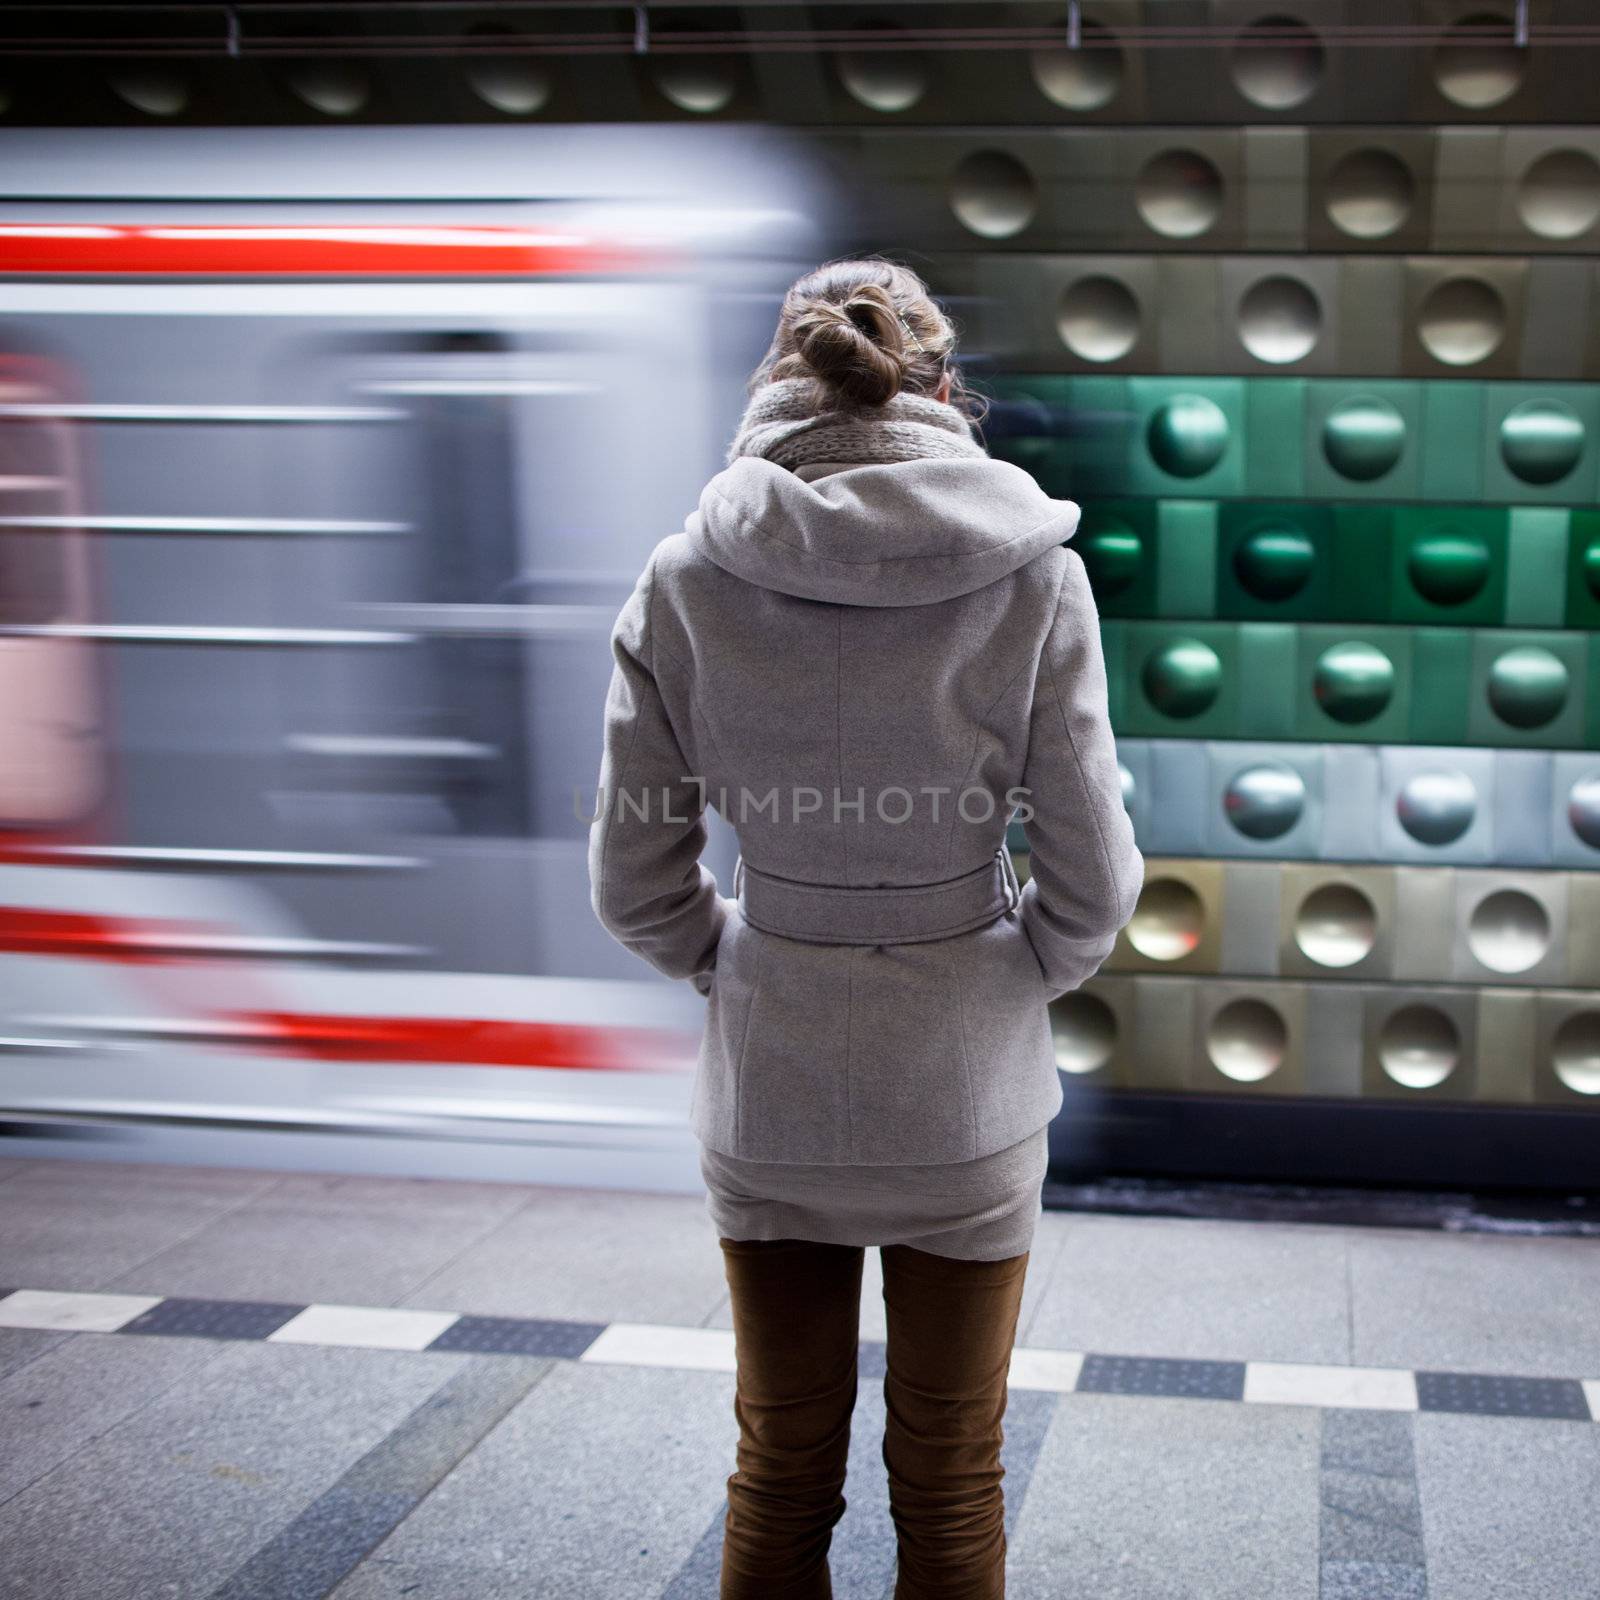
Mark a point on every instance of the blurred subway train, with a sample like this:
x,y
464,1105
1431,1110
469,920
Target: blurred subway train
x,y
327,458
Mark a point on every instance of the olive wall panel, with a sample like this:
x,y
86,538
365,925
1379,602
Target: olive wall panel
x,y
1386,1042
1397,924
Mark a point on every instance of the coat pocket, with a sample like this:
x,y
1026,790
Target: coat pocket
x,y
714,1099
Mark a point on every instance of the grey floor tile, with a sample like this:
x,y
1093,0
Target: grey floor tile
x,y
1170,1500
1370,1511
379,1578
83,1224
1372,1580
1476,1302
78,1391
177,1496
19,1346
1049,1246
146,1178
1224,1291
1508,1507
348,1240
588,1256
333,1534
597,1487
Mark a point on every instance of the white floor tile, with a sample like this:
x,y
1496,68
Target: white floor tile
x,y
73,1313
649,1344
1281,1383
374,1327
1046,1369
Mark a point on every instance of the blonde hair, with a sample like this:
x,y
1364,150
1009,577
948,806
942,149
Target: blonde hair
x,y
866,329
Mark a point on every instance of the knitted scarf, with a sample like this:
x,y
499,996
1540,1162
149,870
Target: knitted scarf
x,y
783,422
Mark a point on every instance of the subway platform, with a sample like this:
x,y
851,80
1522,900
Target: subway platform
x,y
254,1385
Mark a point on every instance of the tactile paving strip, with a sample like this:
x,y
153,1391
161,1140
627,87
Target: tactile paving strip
x,y
213,1319
1493,1395
711,1349
518,1336
1160,1375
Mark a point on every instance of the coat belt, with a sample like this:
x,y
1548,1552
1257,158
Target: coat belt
x,y
908,914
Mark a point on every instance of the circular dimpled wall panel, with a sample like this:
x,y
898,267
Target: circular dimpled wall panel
x,y
514,87
1448,568
1085,1032
1183,678
993,195
1370,194
889,81
1336,925
1098,318
703,86
1461,321
1591,569
1280,320
1167,921
1419,1047
1583,809
1353,682
1187,436
1264,801
1541,441
332,87
1084,79
1527,687
156,93
1575,1052
1559,195
1246,1041
1277,63
1274,564
1477,64
1436,808
1179,194
1509,931
1112,555
1363,438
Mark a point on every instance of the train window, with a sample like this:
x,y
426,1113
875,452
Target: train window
x,y
443,734
463,442
33,567
50,738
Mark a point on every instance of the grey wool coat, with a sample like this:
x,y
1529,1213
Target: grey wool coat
x,y
865,670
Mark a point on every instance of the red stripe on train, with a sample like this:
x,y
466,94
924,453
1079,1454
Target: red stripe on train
x,y
25,931
460,1041
308,250
464,1041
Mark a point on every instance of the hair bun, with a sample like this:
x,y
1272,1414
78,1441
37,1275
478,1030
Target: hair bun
x,y
856,346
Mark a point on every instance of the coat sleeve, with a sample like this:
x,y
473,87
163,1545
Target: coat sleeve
x,y
646,883
1085,870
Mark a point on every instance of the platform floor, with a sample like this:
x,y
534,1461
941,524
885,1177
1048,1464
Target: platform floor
x,y
267,1386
